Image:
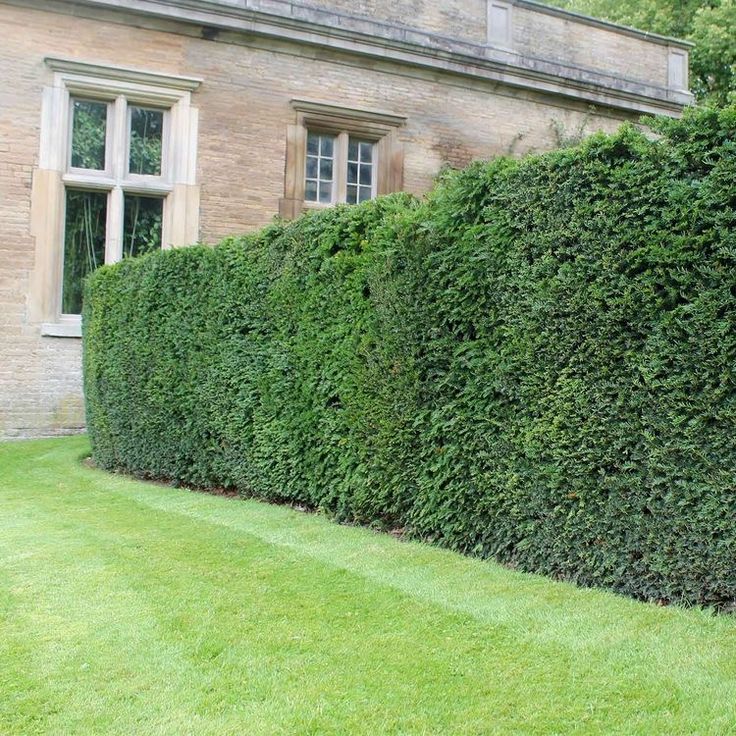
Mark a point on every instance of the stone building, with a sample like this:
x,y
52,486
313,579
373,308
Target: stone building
x,y
127,125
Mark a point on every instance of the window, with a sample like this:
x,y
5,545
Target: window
x,y
361,181
336,154
116,184
328,155
116,178
320,181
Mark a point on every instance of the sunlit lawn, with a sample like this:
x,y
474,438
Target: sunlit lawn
x,y
134,608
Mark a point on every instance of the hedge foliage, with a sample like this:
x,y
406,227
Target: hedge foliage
x,y
535,364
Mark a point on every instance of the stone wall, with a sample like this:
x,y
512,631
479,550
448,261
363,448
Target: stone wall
x,y
464,19
244,110
571,42
537,31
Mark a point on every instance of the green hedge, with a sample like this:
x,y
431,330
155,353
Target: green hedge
x,y
535,364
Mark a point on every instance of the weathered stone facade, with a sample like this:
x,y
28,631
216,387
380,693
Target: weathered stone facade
x,y
452,95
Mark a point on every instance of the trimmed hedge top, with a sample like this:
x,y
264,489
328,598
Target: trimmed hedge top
x,y
535,364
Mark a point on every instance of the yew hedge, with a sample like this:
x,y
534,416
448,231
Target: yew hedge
x,y
535,364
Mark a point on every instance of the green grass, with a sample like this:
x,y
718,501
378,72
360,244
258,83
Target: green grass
x,y
133,608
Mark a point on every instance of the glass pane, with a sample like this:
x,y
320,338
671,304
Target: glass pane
x,y
325,169
352,197
366,175
84,243
146,136
352,173
320,168
365,194
89,125
141,225
325,192
353,150
366,153
326,145
312,167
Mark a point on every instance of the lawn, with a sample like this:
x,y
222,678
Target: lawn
x,y
135,608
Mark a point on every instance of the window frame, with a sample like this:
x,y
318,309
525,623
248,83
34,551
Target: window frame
x,y
121,89
378,127
334,196
74,170
340,162
361,141
116,180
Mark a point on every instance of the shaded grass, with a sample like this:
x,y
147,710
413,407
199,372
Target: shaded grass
x,y
129,608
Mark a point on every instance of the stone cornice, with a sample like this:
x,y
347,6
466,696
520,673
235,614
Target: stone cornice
x,y
296,23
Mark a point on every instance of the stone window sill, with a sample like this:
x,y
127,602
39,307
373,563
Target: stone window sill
x,y
72,328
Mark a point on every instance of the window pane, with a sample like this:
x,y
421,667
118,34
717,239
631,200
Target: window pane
x,y
312,144
84,243
352,197
365,194
325,192
366,174
325,147
312,167
353,150
366,152
141,225
146,136
325,169
310,191
352,173
89,125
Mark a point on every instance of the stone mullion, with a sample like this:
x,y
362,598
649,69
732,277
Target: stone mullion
x,y
116,198
340,168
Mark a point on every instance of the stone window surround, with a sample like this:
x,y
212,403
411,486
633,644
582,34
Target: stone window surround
x,y
50,180
323,117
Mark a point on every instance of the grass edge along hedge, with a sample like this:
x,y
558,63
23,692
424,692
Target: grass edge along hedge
x,y
534,364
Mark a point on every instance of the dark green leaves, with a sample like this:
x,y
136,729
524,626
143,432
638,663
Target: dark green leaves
x,y
535,364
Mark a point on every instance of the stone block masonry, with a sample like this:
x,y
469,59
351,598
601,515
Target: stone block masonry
x,y
458,98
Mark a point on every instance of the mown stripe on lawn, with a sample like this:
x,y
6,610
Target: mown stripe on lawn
x,y
131,607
